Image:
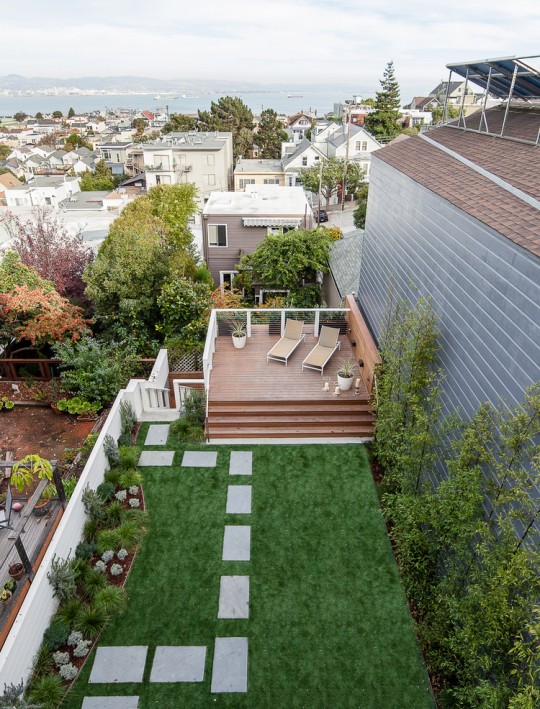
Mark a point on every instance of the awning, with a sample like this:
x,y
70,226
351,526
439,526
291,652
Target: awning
x,y
272,221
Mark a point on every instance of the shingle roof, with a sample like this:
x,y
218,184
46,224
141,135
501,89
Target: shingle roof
x,y
478,195
345,257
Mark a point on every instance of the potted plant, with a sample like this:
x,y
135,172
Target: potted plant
x,y
345,373
26,470
6,404
5,596
16,570
10,585
239,336
43,505
83,409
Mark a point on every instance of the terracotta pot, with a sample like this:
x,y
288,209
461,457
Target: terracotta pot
x,y
42,509
55,409
16,571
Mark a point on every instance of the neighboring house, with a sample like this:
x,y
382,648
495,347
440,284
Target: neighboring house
x,y
423,103
7,181
115,155
344,262
348,142
42,191
454,215
299,125
258,172
354,110
459,94
234,223
412,118
305,154
204,159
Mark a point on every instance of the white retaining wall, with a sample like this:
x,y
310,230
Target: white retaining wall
x,y
39,605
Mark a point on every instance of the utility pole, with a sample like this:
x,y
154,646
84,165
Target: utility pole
x,y
320,188
345,113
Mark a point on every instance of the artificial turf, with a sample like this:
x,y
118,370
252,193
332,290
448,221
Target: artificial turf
x,y
329,626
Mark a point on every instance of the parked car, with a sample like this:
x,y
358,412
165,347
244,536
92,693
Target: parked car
x,y
321,216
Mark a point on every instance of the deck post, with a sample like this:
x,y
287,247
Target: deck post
x,y
248,322
316,323
24,558
283,318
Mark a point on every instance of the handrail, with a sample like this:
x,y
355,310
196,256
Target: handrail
x,y
376,390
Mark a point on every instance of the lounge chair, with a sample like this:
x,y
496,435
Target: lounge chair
x,y
284,347
5,514
323,350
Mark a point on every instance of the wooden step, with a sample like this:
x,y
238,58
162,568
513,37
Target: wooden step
x,y
289,421
296,432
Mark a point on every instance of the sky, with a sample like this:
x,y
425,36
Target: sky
x,y
291,42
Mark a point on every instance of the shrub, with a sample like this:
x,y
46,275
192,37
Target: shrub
x,y
186,431
130,478
111,450
93,582
47,691
114,514
116,570
100,566
129,457
56,635
127,417
112,476
69,612
69,486
121,495
85,550
61,658
62,579
68,672
75,638
124,439
127,535
42,663
134,490
134,503
94,504
91,621
90,531
107,556
122,554
82,649
111,599
106,491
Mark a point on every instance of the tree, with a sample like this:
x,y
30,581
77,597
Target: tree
x,y
139,124
230,114
437,114
101,179
179,122
57,114
333,170
20,116
45,245
269,135
184,306
359,214
383,122
5,150
74,140
71,113
50,139
39,116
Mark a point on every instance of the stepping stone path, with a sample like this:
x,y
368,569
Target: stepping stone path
x,y
234,597
124,663
182,663
236,543
241,463
110,703
239,500
199,459
229,673
157,434
156,458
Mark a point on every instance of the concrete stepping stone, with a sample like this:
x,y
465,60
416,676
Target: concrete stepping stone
x,y
234,597
156,458
122,663
110,703
157,434
241,463
238,500
229,673
199,459
180,663
236,543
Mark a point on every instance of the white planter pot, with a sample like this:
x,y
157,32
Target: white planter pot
x,y
345,383
239,342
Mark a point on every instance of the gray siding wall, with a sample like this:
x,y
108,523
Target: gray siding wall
x,y
484,288
240,239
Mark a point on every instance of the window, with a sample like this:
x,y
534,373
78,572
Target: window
x,y
316,157
106,154
304,161
246,181
217,235
209,180
117,157
210,160
226,279
280,229
361,145
272,181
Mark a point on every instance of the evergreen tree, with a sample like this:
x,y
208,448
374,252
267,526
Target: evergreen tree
x,y
383,123
179,122
269,135
230,114
71,113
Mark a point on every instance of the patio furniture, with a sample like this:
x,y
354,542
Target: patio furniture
x,y
320,355
5,514
284,347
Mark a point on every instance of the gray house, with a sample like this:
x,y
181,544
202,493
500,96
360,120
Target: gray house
x,y
454,214
234,223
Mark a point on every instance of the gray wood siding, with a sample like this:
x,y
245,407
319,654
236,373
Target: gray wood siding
x,y
240,239
484,288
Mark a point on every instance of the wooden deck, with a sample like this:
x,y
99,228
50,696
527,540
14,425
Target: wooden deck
x,y
252,398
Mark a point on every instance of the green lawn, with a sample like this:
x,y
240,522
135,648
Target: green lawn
x,y
329,626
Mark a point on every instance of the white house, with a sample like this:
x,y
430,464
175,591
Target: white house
x,y
42,191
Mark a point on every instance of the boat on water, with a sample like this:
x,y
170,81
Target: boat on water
x,y
295,96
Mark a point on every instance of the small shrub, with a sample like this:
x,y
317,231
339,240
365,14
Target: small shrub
x,y
121,495
128,418
69,486
100,566
124,439
113,476
106,491
107,556
68,672
87,446
108,539
122,554
69,612
56,635
42,663
134,503
129,478
82,648
62,579
114,514
134,490
47,691
91,621
75,638
94,581
112,599
111,450
129,457
94,504
90,531
61,658
116,570
85,550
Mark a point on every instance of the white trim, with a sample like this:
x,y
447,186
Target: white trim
x,y
217,246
